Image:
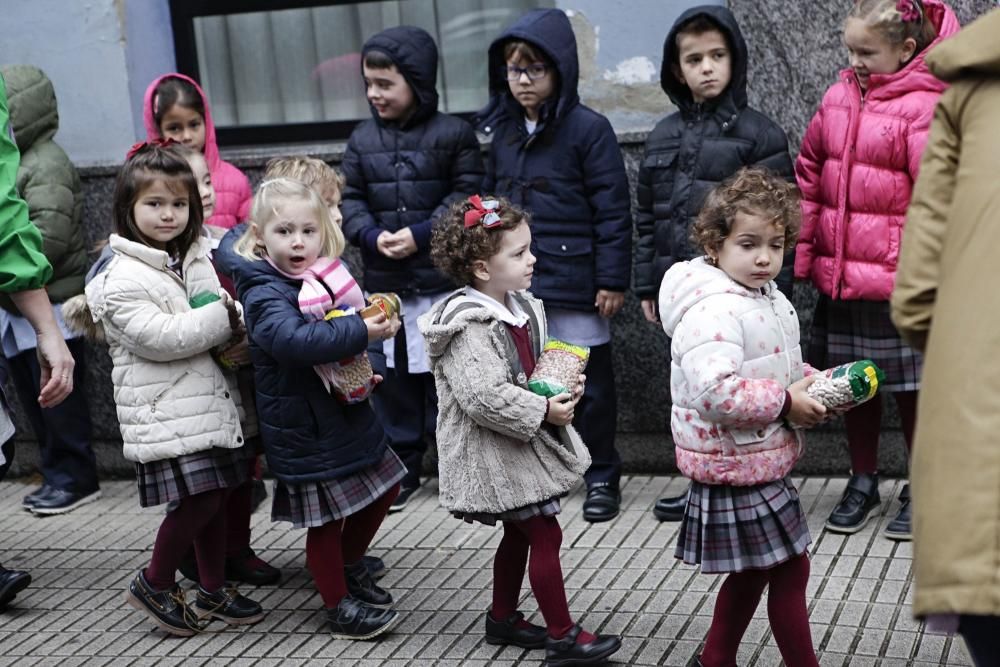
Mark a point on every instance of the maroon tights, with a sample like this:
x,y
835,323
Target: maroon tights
x,y
238,513
864,423
786,610
199,520
330,546
534,544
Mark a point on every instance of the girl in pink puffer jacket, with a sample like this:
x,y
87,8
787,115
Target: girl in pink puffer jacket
x,y
856,170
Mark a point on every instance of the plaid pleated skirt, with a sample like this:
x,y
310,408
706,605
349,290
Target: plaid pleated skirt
x,y
846,331
170,480
736,528
313,504
550,507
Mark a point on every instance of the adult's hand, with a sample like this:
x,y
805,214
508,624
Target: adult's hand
x,y
54,357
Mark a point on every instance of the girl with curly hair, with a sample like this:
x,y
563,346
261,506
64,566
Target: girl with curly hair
x,y
505,454
737,382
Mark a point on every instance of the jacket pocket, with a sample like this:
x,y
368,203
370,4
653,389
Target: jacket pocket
x,y
160,395
659,160
566,263
751,436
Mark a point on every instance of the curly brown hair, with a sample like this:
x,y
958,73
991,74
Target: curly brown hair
x,y
455,249
752,190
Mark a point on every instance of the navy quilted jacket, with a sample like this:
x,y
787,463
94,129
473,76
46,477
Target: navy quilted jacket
x,y
407,174
569,174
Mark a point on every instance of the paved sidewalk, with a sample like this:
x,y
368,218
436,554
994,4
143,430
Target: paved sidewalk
x,y
621,577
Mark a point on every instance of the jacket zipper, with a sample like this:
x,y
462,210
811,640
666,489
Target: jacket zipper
x,y
162,392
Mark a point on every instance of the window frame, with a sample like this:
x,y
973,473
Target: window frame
x,y
182,16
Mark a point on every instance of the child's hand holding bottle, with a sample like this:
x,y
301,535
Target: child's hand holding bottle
x,y
806,411
380,327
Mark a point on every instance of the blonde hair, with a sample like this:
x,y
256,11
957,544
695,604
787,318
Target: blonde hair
x,y
312,171
884,17
270,195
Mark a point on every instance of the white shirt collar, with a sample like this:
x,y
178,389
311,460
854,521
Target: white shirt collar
x,y
509,313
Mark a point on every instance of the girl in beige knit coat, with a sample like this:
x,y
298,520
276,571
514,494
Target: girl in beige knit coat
x,y
505,454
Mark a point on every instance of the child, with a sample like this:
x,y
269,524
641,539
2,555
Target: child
x,y
403,168
945,301
736,382
704,73
505,453
560,161
176,408
335,474
175,107
51,187
859,159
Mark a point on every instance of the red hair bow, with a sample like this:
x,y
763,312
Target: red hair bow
x,y
486,212
136,147
908,10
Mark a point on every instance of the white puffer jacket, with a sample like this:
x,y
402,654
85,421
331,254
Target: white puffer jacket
x,y
172,397
733,353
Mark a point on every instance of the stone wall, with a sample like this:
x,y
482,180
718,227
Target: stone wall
x,y
792,65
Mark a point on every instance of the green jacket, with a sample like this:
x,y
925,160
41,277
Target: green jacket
x,y
22,264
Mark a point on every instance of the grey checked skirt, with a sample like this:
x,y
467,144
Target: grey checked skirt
x,y
318,503
170,480
846,331
550,507
736,528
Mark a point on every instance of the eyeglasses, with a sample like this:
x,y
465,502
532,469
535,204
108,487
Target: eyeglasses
x,y
534,71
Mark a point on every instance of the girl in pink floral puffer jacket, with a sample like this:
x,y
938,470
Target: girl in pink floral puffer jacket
x,y
736,381
856,170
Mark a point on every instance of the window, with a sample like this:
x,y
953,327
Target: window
x,y
290,70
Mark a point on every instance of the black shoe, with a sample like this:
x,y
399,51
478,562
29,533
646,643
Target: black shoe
x,y
258,496
565,651
168,608
602,504
353,619
507,632
855,508
61,501
29,500
12,582
189,567
405,493
361,585
227,605
375,565
250,569
671,509
901,528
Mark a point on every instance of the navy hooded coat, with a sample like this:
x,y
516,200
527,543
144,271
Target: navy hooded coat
x,y
691,151
406,174
569,174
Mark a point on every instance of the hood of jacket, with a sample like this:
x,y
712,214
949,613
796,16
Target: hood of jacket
x,y
975,50
549,31
415,54
915,76
211,150
31,99
688,283
735,94
447,318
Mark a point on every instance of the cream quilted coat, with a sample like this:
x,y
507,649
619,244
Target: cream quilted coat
x,y
172,397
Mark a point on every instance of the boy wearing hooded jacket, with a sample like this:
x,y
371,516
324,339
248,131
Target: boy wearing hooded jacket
x,y
560,161
403,168
710,137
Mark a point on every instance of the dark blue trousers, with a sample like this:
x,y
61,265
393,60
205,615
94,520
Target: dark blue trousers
x,y
596,418
406,405
63,432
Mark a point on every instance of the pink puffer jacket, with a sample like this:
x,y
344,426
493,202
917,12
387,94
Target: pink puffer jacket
x,y
232,189
859,160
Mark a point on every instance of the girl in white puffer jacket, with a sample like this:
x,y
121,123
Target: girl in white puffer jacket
x,y
737,381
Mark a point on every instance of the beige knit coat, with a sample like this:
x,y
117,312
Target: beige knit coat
x,y
493,452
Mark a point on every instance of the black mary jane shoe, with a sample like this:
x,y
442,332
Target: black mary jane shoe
x,y
670,509
376,566
362,586
565,652
603,503
248,567
12,582
508,633
353,619
900,528
856,506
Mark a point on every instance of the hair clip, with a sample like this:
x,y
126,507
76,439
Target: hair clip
x,y
487,213
136,147
909,11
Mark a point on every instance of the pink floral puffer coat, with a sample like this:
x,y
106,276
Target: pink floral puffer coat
x,y
232,188
733,352
859,160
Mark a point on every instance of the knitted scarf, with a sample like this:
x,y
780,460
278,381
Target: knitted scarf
x,y
326,285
